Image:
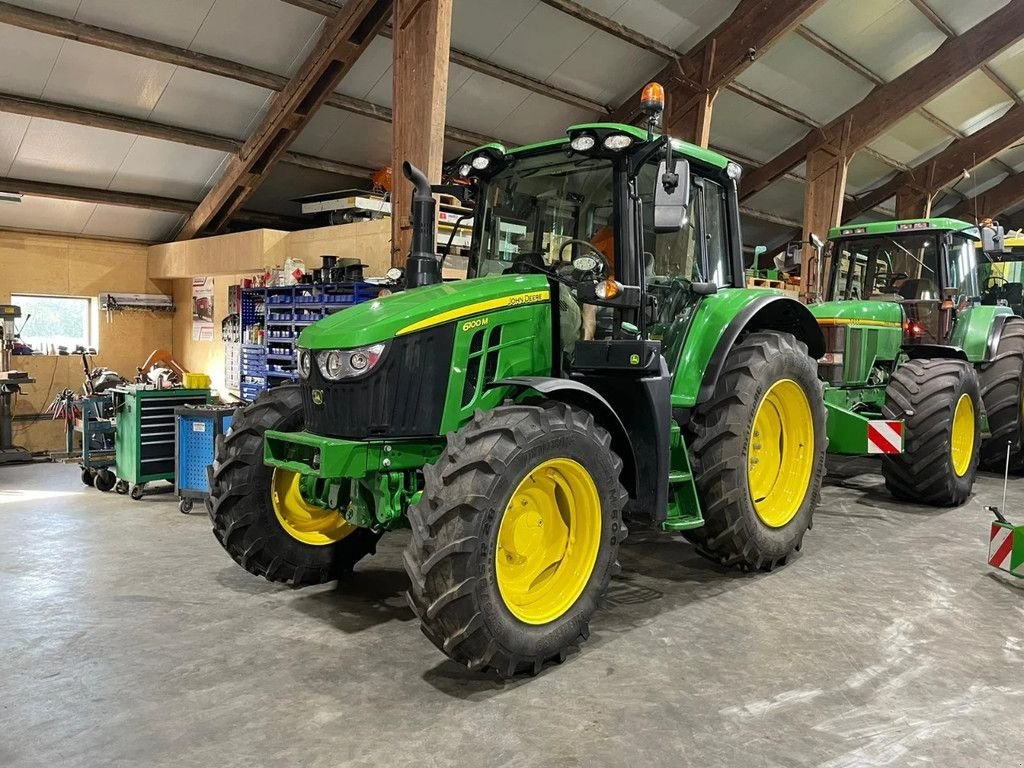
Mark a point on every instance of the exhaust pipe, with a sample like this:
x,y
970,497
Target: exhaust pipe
x,y
421,267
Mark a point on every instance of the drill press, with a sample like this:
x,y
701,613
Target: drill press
x,y
10,384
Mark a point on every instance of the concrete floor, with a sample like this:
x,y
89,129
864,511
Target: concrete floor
x,y
128,638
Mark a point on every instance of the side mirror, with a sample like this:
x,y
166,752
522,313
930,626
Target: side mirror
x,y
794,256
993,239
816,242
671,198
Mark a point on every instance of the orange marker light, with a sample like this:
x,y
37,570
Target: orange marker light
x,y
652,99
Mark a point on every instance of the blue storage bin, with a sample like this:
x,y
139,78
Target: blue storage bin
x,y
195,432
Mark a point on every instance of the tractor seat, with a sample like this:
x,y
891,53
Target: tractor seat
x,y
919,290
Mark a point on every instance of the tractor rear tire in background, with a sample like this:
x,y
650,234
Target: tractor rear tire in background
x,y
757,450
259,515
940,404
515,537
1002,392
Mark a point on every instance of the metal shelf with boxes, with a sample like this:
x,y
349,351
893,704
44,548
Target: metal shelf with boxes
x,y
273,318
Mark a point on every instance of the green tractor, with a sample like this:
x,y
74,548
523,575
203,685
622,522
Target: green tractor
x,y
924,361
512,436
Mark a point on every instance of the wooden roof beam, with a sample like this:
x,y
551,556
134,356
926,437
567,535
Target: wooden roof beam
x,y
888,103
134,200
93,118
101,37
1008,194
715,62
344,39
948,166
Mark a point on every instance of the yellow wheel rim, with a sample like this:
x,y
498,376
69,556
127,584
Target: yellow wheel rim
x,y
548,541
301,520
780,453
961,441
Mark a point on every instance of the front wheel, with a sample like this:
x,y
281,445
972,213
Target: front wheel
x,y
261,516
515,537
940,404
758,453
105,480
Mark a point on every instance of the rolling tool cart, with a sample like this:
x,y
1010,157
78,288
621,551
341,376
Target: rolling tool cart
x,y
196,428
144,438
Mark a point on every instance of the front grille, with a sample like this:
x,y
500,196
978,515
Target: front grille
x,y
403,396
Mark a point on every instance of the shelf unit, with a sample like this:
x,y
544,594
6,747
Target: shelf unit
x,y
273,318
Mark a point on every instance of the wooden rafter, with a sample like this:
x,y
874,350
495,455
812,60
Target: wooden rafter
x,y
753,27
613,28
109,39
94,118
888,103
477,64
945,168
828,48
133,200
343,41
928,12
1008,194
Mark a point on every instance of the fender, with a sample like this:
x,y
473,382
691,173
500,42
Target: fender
x,y
974,329
996,335
934,351
577,393
718,323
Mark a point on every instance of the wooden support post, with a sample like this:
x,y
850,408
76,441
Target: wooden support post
x,y
823,208
422,37
692,123
913,202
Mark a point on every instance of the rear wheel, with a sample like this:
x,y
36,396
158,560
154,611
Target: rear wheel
x,y
515,537
260,515
940,405
758,453
1002,392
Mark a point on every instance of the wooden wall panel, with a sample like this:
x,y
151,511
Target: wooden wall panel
x,y
71,266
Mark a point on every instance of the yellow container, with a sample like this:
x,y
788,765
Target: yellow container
x,y
196,381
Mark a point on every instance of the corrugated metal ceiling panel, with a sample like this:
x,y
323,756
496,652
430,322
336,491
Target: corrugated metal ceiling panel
x,y
132,223
46,214
70,154
912,140
886,36
751,130
961,15
782,74
970,104
158,167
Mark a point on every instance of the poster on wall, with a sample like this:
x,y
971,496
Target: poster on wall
x,y
202,309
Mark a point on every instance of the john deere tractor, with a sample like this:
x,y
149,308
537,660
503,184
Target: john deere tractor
x,y
510,433
924,357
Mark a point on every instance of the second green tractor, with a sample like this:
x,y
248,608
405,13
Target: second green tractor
x,y
924,354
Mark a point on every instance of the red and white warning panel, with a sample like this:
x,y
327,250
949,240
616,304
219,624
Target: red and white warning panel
x,y
885,437
1006,548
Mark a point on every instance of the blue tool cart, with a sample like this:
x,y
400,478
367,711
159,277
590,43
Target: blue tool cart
x,y
196,428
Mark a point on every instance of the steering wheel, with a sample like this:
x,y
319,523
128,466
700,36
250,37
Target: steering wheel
x,y
995,281
604,266
527,263
888,278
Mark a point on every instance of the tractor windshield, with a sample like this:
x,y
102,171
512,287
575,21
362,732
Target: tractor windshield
x,y
538,205
1001,279
886,268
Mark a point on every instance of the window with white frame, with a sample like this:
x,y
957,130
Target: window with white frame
x,y
51,322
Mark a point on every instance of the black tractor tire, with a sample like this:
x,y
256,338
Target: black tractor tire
x,y
105,480
925,393
241,508
450,558
88,477
719,435
1002,392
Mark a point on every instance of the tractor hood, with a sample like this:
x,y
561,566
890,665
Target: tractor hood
x,y
879,313
413,310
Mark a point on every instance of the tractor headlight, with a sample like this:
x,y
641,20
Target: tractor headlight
x,y
465,169
481,162
305,363
583,143
618,142
337,364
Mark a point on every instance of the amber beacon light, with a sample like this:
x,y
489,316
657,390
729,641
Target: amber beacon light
x,y
652,99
